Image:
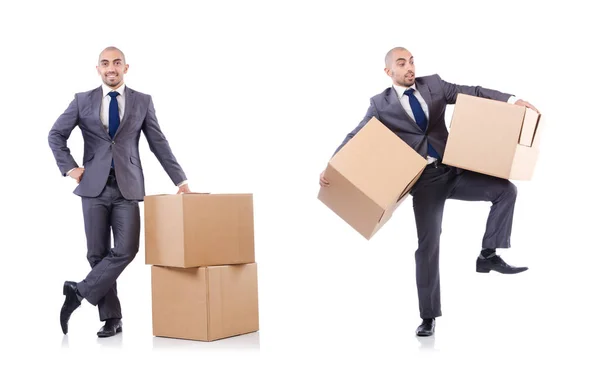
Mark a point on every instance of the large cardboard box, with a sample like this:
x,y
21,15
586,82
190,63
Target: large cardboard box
x,y
205,303
493,138
370,177
193,230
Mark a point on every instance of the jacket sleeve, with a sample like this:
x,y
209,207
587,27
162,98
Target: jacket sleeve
x,y
451,91
160,146
60,133
371,112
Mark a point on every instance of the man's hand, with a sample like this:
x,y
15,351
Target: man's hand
x,y
184,189
77,173
323,181
523,103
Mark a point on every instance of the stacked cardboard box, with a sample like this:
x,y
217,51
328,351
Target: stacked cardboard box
x,y
370,177
204,276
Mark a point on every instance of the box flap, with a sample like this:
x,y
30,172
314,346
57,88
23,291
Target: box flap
x,y
410,185
387,215
529,127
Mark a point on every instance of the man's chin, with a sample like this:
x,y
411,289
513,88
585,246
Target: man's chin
x,y
112,83
406,83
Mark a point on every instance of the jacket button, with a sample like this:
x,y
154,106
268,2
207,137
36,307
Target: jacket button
x,y
113,142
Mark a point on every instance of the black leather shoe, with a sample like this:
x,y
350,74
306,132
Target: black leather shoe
x,y
427,328
485,265
111,327
71,303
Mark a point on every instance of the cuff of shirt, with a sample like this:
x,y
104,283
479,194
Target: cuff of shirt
x,y
182,183
69,172
512,99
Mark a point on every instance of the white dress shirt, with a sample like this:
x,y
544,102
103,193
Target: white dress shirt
x,y
105,103
406,105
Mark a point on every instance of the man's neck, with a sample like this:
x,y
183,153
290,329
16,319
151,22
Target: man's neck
x,y
115,87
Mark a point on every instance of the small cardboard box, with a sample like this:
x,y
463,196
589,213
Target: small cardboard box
x,y
493,138
370,177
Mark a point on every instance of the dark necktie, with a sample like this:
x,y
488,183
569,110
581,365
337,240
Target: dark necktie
x,y
113,117
420,118
113,114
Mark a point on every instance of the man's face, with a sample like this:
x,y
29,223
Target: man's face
x,y
111,68
401,68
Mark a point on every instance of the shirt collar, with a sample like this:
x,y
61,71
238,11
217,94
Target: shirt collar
x,y
107,89
401,89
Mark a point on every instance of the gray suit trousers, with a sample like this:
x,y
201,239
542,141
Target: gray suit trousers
x,y
100,214
434,187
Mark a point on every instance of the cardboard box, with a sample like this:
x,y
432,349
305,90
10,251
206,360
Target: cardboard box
x,y
205,303
493,138
370,177
193,230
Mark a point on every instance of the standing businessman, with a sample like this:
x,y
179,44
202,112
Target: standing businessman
x,y
414,109
110,181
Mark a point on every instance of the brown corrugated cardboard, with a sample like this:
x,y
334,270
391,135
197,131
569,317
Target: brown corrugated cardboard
x,y
206,303
494,138
370,177
193,230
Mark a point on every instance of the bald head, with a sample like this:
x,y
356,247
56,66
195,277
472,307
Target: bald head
x,y
111,49
389,57
112,67
400,66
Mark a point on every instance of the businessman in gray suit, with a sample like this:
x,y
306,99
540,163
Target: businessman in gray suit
x,y
414,109
110,181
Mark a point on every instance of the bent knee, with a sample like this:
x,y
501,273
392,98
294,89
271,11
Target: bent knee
x,y
511,190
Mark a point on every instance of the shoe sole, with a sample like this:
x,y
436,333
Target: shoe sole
x,y
482,270
424,335
120,329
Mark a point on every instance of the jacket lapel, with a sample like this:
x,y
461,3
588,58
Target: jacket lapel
x,y
394,100
426,94
129,104
96,100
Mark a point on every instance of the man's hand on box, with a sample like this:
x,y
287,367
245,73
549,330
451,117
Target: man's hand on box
x,y
523,103
184,189
323,181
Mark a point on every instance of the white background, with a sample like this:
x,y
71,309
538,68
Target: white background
x,y
255,97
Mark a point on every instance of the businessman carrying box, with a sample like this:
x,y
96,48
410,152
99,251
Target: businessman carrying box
x,y
414,109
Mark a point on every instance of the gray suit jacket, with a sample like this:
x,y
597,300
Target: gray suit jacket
x,y
437,93
100,149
